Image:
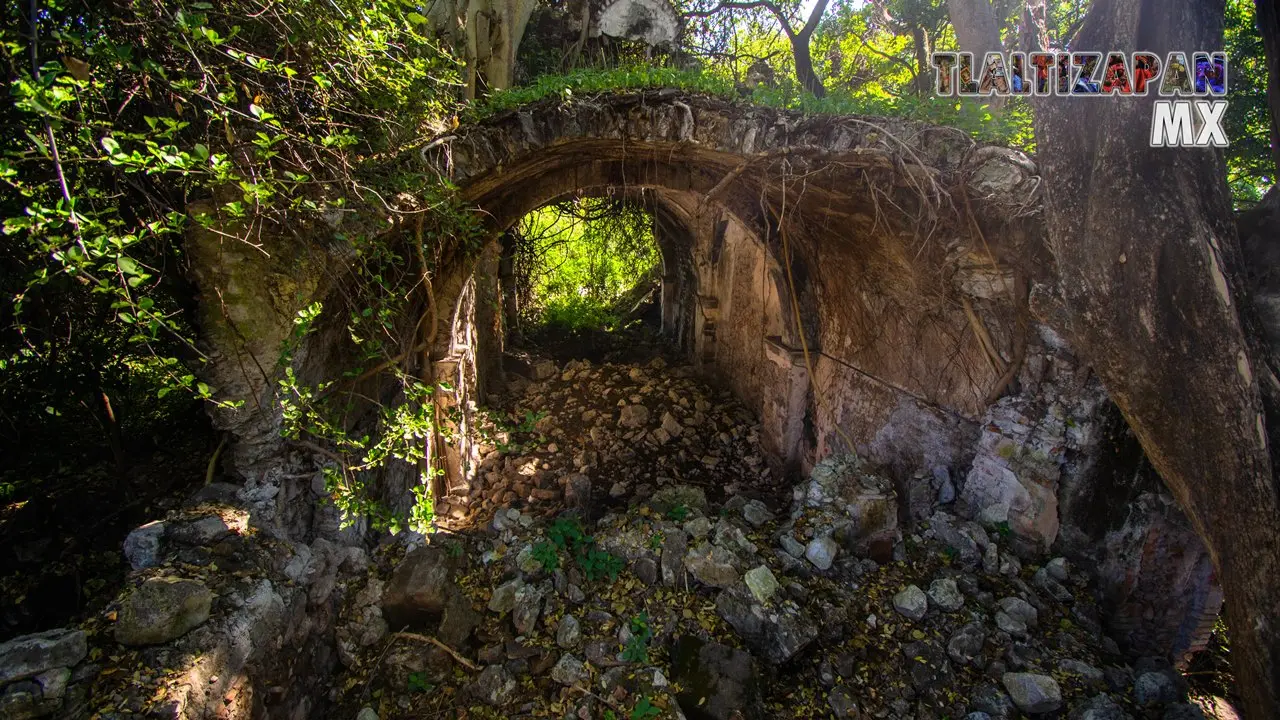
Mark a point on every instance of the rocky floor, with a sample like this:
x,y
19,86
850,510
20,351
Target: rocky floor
x,y
628,554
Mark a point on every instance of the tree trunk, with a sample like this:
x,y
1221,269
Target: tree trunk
x,y
1269,24
1153,312
977,30
804,66
924,77
800,47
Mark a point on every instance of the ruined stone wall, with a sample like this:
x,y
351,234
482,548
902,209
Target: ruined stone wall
x,y
894,304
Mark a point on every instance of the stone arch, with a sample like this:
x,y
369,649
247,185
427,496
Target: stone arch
x,y
917,260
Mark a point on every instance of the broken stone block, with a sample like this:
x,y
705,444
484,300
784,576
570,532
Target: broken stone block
x,y
776,632
162,609
29,655
844,498
419,588
716,681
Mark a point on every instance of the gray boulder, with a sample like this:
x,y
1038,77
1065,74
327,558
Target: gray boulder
x,y
494,686
944,594
570,671
162,609
775,632
30,655
1033,694
419,589
716,681
142,545
911,603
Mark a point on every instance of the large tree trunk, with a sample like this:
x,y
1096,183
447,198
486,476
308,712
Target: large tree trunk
x,y
978,32
804,66
1145,244
1269,25
488,33
976,26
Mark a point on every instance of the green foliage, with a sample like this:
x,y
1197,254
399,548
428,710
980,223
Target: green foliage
x,y
637,646
645,709
678,513
567,535
547,555
417,683
579,259
597,564
590,81
125,117
1250,169
1011,127
1003,529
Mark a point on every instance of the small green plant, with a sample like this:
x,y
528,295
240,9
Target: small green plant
x,y
678,513
1003,529
656,540
530,422
596,564
547,556
453,549
418,683
637,647
645,709
610,715
568,534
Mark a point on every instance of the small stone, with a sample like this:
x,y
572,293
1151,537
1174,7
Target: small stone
x,y
570,671
944,593
142,545
842,702
646,569
367,713
162,609
993,701
494,686
1155,688
712,565
822,552
756,513
966,644
569,633
1010,624
528,607
526,562
1099,707
698,527
1184,711
1032,693
762,583
794,547
911,603
1020,610
1057,568
503,599
1091,674
633,416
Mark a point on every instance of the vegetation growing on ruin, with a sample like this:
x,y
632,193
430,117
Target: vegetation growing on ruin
x,y
577,260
